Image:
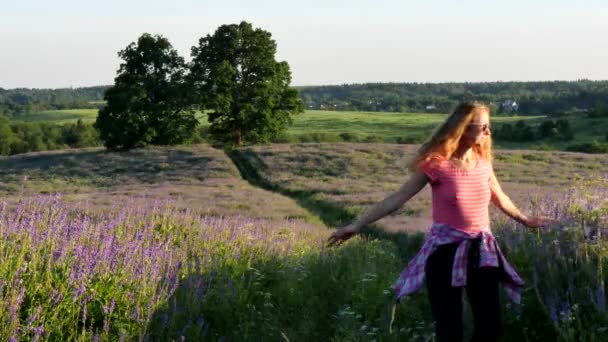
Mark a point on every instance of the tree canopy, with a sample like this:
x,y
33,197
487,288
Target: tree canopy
x,y
246,91
18,101
148,103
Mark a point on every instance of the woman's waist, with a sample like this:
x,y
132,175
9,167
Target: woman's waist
x,y
466,224
449,232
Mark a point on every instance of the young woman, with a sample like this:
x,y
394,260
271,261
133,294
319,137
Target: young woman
x,y
460,250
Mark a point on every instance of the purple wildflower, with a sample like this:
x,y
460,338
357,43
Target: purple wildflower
x,y
601,298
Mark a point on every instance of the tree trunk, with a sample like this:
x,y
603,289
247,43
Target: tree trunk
x,y
238,138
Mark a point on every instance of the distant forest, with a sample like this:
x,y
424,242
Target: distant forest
x,y
524,98
14,102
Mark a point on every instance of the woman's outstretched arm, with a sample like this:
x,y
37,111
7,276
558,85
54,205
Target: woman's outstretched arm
x,y
388,205
504,203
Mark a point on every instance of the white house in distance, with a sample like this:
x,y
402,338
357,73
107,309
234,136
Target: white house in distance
x,y
509,105
430,107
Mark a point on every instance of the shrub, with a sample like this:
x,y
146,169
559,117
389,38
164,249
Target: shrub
x,y
319,137
350,137
410,140
592,147
372,138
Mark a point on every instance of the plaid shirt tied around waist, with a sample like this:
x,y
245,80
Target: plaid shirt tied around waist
x,y
412,277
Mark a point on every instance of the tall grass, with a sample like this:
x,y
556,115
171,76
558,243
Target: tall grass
x,y
152,272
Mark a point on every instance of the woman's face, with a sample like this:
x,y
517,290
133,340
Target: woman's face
x,y
478,130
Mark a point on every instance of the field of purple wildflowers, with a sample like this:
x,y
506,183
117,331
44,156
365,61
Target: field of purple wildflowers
x,y
155,269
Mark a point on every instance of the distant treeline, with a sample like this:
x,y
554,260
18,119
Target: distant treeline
x,y
14,102
21,137
527,98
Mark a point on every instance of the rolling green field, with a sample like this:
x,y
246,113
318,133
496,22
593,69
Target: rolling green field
x,y
332,126
390,126
60,116
66,116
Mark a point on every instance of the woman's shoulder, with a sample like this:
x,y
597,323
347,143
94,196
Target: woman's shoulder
x,y
433,167
485,162
434,162
485,165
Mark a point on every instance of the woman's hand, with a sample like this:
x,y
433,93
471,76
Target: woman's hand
x,y
342,234
414,184
538,221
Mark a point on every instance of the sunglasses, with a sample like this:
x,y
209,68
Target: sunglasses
x,y
484,126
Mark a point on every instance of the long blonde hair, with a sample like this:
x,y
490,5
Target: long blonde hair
x,y
446,138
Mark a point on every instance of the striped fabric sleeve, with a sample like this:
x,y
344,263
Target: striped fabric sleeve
x,y
430,170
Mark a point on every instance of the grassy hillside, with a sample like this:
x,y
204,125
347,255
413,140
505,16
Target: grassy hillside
x,y
332,182
197,177
201,253
345,179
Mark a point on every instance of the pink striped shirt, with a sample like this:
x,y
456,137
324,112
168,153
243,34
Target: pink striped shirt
x,y
460,197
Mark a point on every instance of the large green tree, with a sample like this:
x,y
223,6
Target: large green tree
x,y
148,103
246,91
6,136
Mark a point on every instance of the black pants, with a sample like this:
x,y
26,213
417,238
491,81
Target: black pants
x,y
446,301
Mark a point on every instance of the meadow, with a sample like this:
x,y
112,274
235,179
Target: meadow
x,y
387,127
60,116
373,127
354,176
63,116
197,177
196,243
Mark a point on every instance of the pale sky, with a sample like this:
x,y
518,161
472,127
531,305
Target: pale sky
x,y
63,43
